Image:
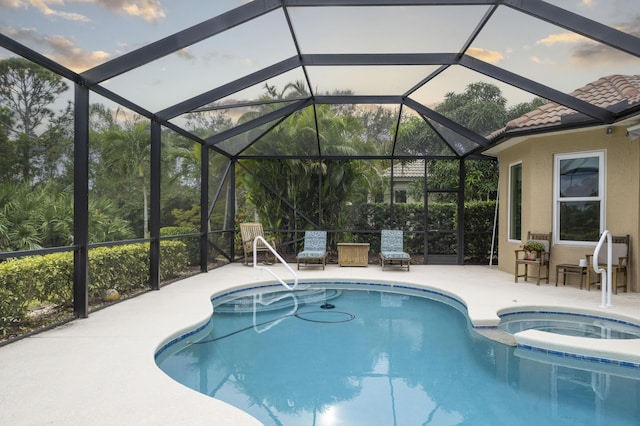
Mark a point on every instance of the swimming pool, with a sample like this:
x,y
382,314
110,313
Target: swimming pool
x,y
385,357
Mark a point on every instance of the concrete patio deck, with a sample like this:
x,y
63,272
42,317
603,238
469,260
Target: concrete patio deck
x,y
101,370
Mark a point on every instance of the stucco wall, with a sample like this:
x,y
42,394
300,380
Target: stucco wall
x,y
622,158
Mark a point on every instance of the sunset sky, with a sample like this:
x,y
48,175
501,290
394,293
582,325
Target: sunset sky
x,y
81,34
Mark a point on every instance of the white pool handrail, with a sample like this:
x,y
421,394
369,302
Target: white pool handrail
x,y
258,299
260,268
606,279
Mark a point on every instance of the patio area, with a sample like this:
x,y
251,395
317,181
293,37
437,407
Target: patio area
x,y
101,370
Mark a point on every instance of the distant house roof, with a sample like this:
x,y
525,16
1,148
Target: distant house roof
x,y
614,92
411,169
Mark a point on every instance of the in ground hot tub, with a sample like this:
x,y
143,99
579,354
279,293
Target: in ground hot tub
x,y
569,324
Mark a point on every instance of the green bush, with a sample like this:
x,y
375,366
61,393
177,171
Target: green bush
x,y
36,280
441,216
478,232
192,243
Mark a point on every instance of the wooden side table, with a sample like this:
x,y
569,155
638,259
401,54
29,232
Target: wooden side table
x,y
568,268
353,254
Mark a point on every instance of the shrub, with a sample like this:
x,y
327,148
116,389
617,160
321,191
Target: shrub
x,y
192,243
441,216
32,281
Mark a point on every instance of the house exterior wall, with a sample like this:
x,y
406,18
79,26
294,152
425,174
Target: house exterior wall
x,y
622,186
401,184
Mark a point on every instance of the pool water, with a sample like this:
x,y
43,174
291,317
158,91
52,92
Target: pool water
x,y
367,357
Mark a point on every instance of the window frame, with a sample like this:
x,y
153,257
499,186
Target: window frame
x,y
510,203
400,196
557,200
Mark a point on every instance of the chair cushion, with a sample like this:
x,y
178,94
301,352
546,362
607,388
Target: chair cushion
x,y
311,254
315,240
391,240
618,250
395,255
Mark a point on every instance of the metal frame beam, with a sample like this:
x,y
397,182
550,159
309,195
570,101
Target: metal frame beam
x,y
536,88
179,40
450,124
35,57
81,203
249,125
154,205
578,24
359,59
334,3
229,88
204,209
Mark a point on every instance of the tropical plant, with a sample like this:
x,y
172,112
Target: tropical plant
x,y
121,166
286,193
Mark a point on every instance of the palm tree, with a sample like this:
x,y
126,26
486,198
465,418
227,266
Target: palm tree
x,y
125,161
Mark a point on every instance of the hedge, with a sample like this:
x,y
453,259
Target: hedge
x,y
409,217
192,243
37,280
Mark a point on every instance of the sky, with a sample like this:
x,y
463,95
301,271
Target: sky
x,y
81,34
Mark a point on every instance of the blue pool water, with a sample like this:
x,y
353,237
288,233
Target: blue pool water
x,y
372,357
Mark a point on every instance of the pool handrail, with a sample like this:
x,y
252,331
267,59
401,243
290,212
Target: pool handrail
x,y
606,279
257,299
275,253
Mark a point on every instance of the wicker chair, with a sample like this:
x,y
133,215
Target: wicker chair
x,y
541,261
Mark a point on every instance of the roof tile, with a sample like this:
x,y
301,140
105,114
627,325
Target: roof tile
x,y
605,93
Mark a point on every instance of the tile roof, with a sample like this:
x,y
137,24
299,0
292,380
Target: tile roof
x,y
611,92
409,169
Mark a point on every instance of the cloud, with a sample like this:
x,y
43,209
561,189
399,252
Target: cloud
x,y
587,53
490,56
59,48
65,52
185,54
552,39
149,10
12,4
593,54
538,60
43,6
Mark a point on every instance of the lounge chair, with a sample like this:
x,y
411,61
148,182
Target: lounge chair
x,y
619,262
541,261
314,250
249,231
392,249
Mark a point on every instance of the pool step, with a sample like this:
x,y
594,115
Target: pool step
x,y
497,335
278,300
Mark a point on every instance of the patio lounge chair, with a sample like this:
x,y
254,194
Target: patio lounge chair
x,y
541,261
314,250
391,249
249,231
619,262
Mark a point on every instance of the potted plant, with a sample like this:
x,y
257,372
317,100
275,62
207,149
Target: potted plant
x,y
533,249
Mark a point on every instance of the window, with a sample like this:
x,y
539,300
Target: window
x,y
579,197
401,196
515,202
